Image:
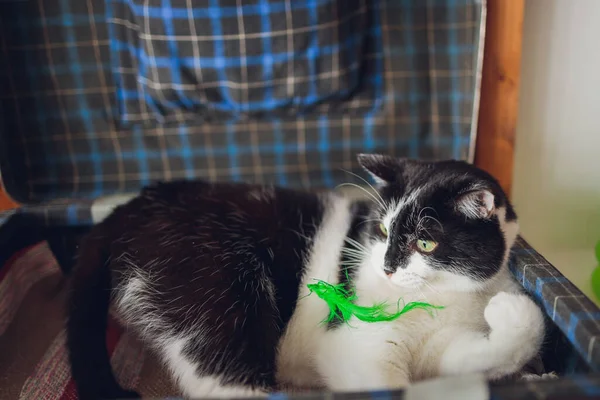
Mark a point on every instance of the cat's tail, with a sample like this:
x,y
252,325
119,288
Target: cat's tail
x,y
88,306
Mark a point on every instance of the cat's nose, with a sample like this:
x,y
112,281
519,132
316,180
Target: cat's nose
x,y
388,271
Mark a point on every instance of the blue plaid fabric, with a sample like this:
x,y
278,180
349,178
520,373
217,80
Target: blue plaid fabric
x,y
67,213
227,60
565,305
103,97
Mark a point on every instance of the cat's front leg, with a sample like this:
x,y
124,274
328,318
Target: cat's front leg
x,y
515,337
362,357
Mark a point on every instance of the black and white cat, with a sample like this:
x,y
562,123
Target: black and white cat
x,y
213,277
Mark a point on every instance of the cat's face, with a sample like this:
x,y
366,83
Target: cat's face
x,y
437,225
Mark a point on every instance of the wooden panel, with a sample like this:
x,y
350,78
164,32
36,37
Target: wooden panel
x,y
5,201
494,151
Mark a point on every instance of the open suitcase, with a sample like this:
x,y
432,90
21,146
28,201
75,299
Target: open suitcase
x,y
102,97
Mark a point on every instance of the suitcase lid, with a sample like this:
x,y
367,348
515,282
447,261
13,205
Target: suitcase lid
x,y
67,68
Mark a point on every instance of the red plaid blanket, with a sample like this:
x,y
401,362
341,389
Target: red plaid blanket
x,y
34,362
33,358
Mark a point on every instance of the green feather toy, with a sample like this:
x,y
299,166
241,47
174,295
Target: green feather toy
x,y
341,304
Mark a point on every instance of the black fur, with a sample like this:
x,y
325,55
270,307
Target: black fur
x,y
87,323
212,245
226,262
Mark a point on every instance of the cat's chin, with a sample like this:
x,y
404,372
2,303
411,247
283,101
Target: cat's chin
x,y
402,282
437,282
407,283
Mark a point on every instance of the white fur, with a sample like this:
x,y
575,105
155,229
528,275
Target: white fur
x,y
194,386
477,204
491,328
135,303
486,328
398,205
299,345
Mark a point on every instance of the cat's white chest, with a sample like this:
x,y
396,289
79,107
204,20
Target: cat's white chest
x,y
408,337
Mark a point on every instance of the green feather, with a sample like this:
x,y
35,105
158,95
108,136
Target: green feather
x,y
341,304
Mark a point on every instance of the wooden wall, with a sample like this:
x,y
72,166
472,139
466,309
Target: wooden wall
x,y
494,151
5,202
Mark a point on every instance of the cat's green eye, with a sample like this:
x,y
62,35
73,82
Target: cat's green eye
x,y
426,246
383,229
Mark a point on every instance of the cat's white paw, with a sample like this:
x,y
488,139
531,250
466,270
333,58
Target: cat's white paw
x,y
513,313
517,331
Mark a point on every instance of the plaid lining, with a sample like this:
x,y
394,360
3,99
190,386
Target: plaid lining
x,y
64,88
576,315
64,213
229,60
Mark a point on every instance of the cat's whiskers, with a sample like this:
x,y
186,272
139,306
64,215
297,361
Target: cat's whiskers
x,y
375,199
356,244
356,257
430,286
426,208
369,220
356,262
420,229
425,218
422,219
352,266
359,252
353,251
423,295
367,182
300,235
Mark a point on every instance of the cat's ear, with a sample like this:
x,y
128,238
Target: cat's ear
x,y
476,204
384,169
